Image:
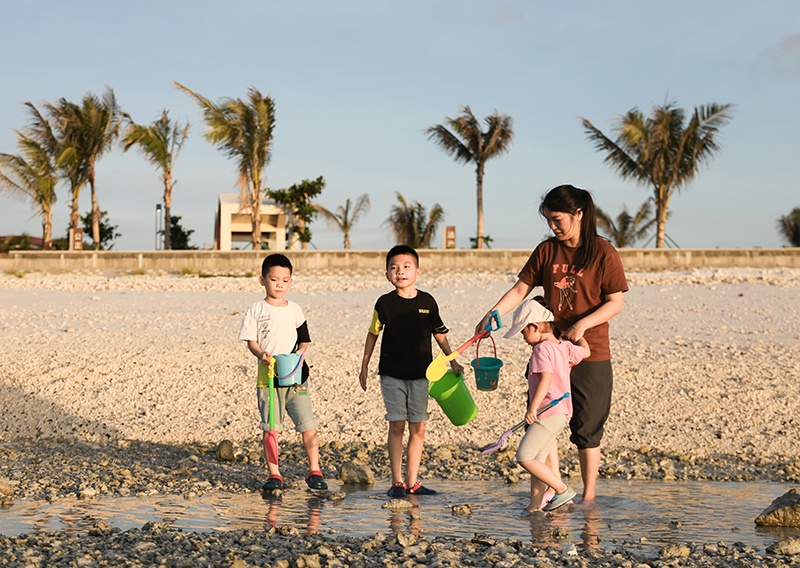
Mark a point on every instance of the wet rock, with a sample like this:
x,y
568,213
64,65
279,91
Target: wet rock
x,y
101,528
483,540
782,512
397,505
354,473
405,539
559,532
225,451
87,493
675,551
786,547
6,488
462,510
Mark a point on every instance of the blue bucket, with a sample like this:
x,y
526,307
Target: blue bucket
x,y
487,369
287,366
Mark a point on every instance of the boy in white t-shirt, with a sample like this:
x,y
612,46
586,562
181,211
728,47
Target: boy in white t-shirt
x,y
548,379
275,326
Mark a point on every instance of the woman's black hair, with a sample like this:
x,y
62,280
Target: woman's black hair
x,y
570,199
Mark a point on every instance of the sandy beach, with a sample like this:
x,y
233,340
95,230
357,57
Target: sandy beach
x,y
706,363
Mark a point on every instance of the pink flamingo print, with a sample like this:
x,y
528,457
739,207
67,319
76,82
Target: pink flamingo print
x,y
565,286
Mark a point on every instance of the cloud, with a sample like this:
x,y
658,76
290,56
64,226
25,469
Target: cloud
x,y
784,57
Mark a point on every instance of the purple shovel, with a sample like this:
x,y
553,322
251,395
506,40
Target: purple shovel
x,y
497,445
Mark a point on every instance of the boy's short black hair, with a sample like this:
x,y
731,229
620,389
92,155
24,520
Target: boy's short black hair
x,y
275,260
401,249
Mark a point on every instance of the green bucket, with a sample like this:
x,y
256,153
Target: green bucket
x,y
487,369
453,397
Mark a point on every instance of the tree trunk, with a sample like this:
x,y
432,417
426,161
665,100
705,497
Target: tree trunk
x,y
167,209
479,236
73,214
302,225
255,218
47,229
662,202
95,212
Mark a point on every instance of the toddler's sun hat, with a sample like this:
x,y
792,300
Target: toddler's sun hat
x,y
529,311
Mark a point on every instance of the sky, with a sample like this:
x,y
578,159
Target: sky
x,y
355,84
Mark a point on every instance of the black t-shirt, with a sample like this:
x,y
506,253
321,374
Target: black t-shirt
x,y
407,324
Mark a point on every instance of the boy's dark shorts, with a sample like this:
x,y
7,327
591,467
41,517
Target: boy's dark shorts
x,y
591,384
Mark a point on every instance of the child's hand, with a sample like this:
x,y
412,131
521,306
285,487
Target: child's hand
x,y
457,368
530,416
265,359
362,378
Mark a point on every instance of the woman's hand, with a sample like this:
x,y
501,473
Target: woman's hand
x,y
573,333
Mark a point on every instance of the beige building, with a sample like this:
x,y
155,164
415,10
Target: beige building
x,y
233,225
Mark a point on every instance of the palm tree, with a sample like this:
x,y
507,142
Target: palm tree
x,y
789,227
627,230
45,129
412,225
466,142
658,150
32,175
346,216
87,132
161,142
243,130
49,131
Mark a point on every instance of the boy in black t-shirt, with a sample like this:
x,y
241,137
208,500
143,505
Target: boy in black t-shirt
x,y
408,318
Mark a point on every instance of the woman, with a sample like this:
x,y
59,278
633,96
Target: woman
x,y
583,282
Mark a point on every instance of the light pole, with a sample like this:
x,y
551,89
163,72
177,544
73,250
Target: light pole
x,y
159,224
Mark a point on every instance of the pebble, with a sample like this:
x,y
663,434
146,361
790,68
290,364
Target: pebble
x,y
59,464
155,544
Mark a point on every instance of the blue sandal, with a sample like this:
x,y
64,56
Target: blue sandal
x,y
560,499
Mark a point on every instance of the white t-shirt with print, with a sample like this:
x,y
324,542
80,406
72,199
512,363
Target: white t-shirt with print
x,y
273,327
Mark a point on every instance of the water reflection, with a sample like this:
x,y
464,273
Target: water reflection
x,y
557,528
642,515
313,515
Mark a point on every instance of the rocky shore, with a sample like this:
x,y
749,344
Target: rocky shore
x,y
119,385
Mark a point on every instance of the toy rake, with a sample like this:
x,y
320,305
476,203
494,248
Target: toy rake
x,y
497,445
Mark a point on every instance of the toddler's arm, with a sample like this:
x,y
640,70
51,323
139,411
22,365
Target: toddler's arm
x,y
538,397
582,343
369,347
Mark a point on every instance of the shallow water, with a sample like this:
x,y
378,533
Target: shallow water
x,y
642,515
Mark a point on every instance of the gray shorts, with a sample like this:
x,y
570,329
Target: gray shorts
x,y
405,400
539,438
295,400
